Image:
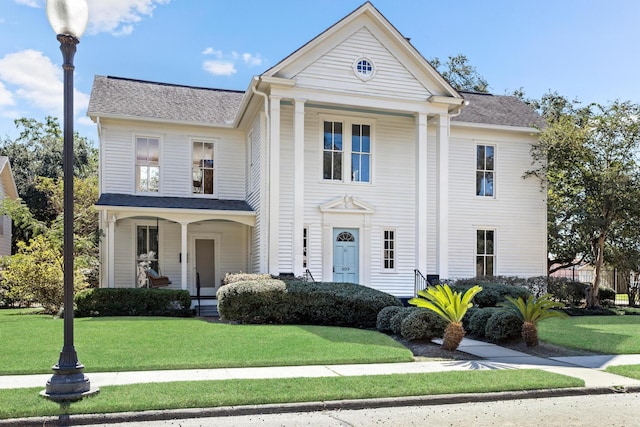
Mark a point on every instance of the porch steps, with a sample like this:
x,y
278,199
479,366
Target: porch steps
x,y
207,311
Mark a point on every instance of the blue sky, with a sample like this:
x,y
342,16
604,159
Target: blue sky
x,y
583,49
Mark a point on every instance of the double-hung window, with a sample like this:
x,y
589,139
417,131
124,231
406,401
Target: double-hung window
x,y
203,169
485,253
147,164
485,170
346,155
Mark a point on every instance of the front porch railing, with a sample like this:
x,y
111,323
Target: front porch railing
x,y
420,282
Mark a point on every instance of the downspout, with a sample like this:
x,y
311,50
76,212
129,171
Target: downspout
x,y
267,141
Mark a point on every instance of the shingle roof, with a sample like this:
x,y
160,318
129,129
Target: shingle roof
x,y
136,98
128,200
497,110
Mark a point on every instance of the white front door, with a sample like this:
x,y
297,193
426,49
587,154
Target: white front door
x,y
345,255
204,260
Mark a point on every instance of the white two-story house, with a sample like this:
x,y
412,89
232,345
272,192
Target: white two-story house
x,y
351,159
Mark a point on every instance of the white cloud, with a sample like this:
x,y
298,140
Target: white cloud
x,y
6,97
36,81
219,68
252,60
225,65
118,16
30,3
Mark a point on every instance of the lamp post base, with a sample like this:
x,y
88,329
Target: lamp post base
x,y
68,384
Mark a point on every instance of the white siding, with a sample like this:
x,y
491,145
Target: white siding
x,y
118,150
285,253
517,213
253,194
334,70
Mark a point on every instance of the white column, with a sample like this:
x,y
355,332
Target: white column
x,y
111,252
274,184
421,193
183,250
298,186
442,161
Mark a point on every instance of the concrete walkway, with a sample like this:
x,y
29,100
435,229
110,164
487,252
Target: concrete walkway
x,y
588,368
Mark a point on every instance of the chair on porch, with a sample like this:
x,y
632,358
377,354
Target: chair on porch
x,y
156,280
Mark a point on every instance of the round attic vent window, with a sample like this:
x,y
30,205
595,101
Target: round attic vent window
x,y
364,68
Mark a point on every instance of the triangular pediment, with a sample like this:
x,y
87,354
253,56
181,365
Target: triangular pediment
x,y
328,60
346,204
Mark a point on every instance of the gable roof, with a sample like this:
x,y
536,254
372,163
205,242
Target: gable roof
x,y
484,108
364,15
128,98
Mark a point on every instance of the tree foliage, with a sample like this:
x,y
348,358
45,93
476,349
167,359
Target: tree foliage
x,y
460,74
37,153
587,158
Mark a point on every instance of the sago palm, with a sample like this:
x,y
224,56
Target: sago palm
x,y
531,312
451,306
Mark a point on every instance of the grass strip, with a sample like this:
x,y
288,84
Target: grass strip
x,y
601,334
17,403
108,344
631,371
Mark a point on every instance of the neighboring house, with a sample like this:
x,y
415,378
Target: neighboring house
x,y
352,159
8,189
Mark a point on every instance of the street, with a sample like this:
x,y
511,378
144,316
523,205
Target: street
x,y
598,410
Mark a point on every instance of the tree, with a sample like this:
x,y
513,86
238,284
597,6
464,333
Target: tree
x,y
460,74
531,311
587,158
37,152
449,305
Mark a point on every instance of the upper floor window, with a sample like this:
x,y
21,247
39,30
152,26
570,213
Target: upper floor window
x,y
485,253
344,141
485,170
203,168
147,164
332,152
364,68
360,152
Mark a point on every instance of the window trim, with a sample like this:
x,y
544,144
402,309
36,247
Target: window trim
x,y
494,170
494,254
394,250
347,152
216,166
136,186
356,70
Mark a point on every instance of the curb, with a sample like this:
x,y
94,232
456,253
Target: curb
x,y
227,411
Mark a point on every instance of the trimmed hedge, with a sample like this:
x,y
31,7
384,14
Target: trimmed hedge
x,y
383,323
567,291
503,326
132,302
244,277
478,321
492,293
422,325
396,321
298,302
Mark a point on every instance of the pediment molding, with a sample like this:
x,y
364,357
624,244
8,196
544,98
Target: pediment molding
x,y
346,204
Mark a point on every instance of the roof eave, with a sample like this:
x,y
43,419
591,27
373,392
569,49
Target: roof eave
x,y
489,126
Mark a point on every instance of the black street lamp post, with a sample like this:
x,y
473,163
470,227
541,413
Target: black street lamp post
x,y
68,18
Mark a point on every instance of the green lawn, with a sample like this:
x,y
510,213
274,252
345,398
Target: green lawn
x,y
631,371
144,343
603,334
202,394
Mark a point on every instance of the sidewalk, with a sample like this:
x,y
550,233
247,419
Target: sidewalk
x,y
588,368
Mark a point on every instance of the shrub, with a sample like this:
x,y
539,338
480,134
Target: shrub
x,y
296,301
422,325
503,326
492,293
607,294
567,291
396,321
478,321
244,277
383,322
133,302
467,316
